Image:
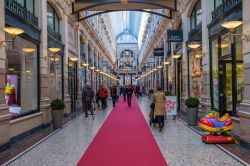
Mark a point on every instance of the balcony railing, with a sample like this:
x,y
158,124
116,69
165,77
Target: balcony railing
x,y
54,34
224,7
21,11
194,31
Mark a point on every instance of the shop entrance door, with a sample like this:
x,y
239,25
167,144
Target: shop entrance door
x,y
72,85
226,85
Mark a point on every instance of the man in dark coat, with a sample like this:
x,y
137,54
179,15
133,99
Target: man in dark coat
x,y
113,91
129,92
124,93
87,98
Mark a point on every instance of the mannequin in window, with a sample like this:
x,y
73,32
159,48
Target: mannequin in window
x,y
8,89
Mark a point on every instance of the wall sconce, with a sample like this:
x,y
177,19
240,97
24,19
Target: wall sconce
x,y
232,25
97,70
159,67
54,50
166,63
74,59
198,56
85,64
176,56
13,32
194,45
92,68
28,50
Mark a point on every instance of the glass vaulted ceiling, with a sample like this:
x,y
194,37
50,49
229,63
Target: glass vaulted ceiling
x,y
126,25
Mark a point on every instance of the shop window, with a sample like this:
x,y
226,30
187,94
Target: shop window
x,y
28,4
195,69
215,74
52,18
21,77
196,15
55,77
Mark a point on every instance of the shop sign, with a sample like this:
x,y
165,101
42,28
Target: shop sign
x,y
171,105
175,35
159,52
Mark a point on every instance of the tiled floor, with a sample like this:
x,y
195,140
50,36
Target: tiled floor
x,y
179,144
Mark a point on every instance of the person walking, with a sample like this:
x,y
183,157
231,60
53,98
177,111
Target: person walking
x,y
138,91
103,94
97,99
160,109
114,95
87,98
129,92
124,93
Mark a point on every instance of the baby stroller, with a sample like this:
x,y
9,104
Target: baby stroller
x,y
152,120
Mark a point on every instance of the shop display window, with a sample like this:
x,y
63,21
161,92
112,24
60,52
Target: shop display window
x,y
195,69
21,77
55,76
215,74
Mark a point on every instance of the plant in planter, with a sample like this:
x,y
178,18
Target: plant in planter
x,y
57,107
192,104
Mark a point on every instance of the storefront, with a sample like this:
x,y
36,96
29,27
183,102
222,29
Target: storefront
x,y
226,68
194,51
22,61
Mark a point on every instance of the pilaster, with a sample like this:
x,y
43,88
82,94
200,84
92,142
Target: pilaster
x,y
244,112
207,7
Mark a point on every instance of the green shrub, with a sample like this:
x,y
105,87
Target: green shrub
x,y
192,102
57,104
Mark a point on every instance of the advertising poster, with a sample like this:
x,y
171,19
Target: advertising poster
x,y
171,105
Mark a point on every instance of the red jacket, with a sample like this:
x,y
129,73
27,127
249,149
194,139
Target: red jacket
x,y
103,93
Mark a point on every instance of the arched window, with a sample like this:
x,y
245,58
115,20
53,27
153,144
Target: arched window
x,y
196,15
52,18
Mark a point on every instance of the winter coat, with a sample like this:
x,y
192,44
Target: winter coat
x,y
88,94
158,99
103,93
129,91
113,92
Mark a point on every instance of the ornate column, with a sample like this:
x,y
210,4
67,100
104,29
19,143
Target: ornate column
x,y
244,112
65,39
186,25
4,112
78,47
207,8
44,73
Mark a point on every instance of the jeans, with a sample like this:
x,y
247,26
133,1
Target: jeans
x,y
114,100
124,97
160,120
129,100
103,103
87,106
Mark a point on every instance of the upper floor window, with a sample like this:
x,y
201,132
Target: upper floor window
x,y
28,4
217,3
82,49
52,18
196,15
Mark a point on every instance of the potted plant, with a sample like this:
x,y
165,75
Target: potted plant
x,y
192,104
57,107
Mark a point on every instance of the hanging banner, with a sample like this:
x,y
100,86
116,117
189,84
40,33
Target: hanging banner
x,y
175,35
171,105
159,52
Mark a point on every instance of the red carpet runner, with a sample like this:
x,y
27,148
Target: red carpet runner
x,y
123,140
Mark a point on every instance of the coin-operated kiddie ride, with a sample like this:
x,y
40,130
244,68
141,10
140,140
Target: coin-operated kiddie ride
x,y
219,129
